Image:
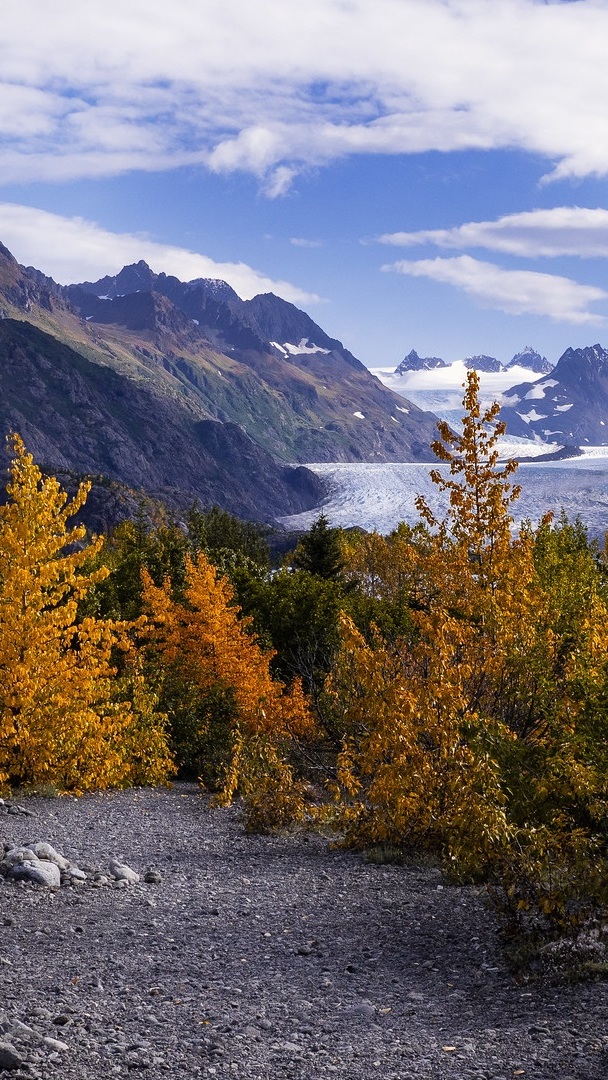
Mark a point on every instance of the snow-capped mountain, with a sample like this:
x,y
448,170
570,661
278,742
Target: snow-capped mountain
x,y
532,360
413,362
480,362
529,360
569,406
439,389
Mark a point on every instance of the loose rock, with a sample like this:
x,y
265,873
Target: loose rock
x,y
46,852
9,1058
201,976
38,873
121,872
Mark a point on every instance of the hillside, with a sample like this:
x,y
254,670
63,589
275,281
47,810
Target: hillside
x,y
261,363
184,391
82,417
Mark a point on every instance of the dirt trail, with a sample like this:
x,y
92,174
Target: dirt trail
x,y
264,957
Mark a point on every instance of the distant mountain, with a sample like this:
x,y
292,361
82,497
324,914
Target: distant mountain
x,y
261,363
528,358
482,363
138,277
570,406
532,360
184,390
413,362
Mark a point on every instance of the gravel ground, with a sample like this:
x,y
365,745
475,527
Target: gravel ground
x,y
263,957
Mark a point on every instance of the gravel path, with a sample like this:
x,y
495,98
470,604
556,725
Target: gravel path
x,y
263,957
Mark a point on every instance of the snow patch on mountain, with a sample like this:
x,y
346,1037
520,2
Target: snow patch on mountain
x,y
304,346
532,415
539,390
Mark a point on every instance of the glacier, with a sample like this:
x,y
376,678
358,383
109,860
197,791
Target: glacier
x,y
380,495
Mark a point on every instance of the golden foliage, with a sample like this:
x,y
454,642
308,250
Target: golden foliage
x,y
406,774
60,719
206,644
481,729
481,495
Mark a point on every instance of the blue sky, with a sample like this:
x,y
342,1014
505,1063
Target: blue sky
x,y
414,173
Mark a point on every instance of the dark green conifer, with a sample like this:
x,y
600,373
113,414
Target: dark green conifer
x,y
320,551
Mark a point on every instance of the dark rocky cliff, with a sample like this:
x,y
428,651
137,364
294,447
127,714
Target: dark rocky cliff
x,y
80,417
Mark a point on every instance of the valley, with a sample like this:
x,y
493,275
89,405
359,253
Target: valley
x,y
181,393
379,496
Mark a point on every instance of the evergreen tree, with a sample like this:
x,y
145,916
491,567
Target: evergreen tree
x,y
320,552
226,540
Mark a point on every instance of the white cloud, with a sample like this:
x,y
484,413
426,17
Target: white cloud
x,y
278,181
71,249
94,89
516,292
302,242
562,230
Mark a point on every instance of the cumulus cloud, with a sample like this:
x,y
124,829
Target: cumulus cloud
x,y
562,230
517,292
91,90
72,249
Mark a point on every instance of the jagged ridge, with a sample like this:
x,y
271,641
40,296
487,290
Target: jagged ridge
x,y
570,406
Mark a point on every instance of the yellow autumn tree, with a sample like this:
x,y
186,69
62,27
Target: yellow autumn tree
x,y
212,665
411,772
424,710
479,731
480,493
65,718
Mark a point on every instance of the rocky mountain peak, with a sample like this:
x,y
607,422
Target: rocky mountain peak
x,y
532,360
413,362
578,363
22,289
215,287
480,362
6,254
136,277
277,320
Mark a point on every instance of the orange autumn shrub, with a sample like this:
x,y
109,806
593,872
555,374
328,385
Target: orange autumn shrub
x,y
210,663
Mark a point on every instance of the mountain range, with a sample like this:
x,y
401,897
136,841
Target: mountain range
x,y
527,358
567,406
186,392
183,392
